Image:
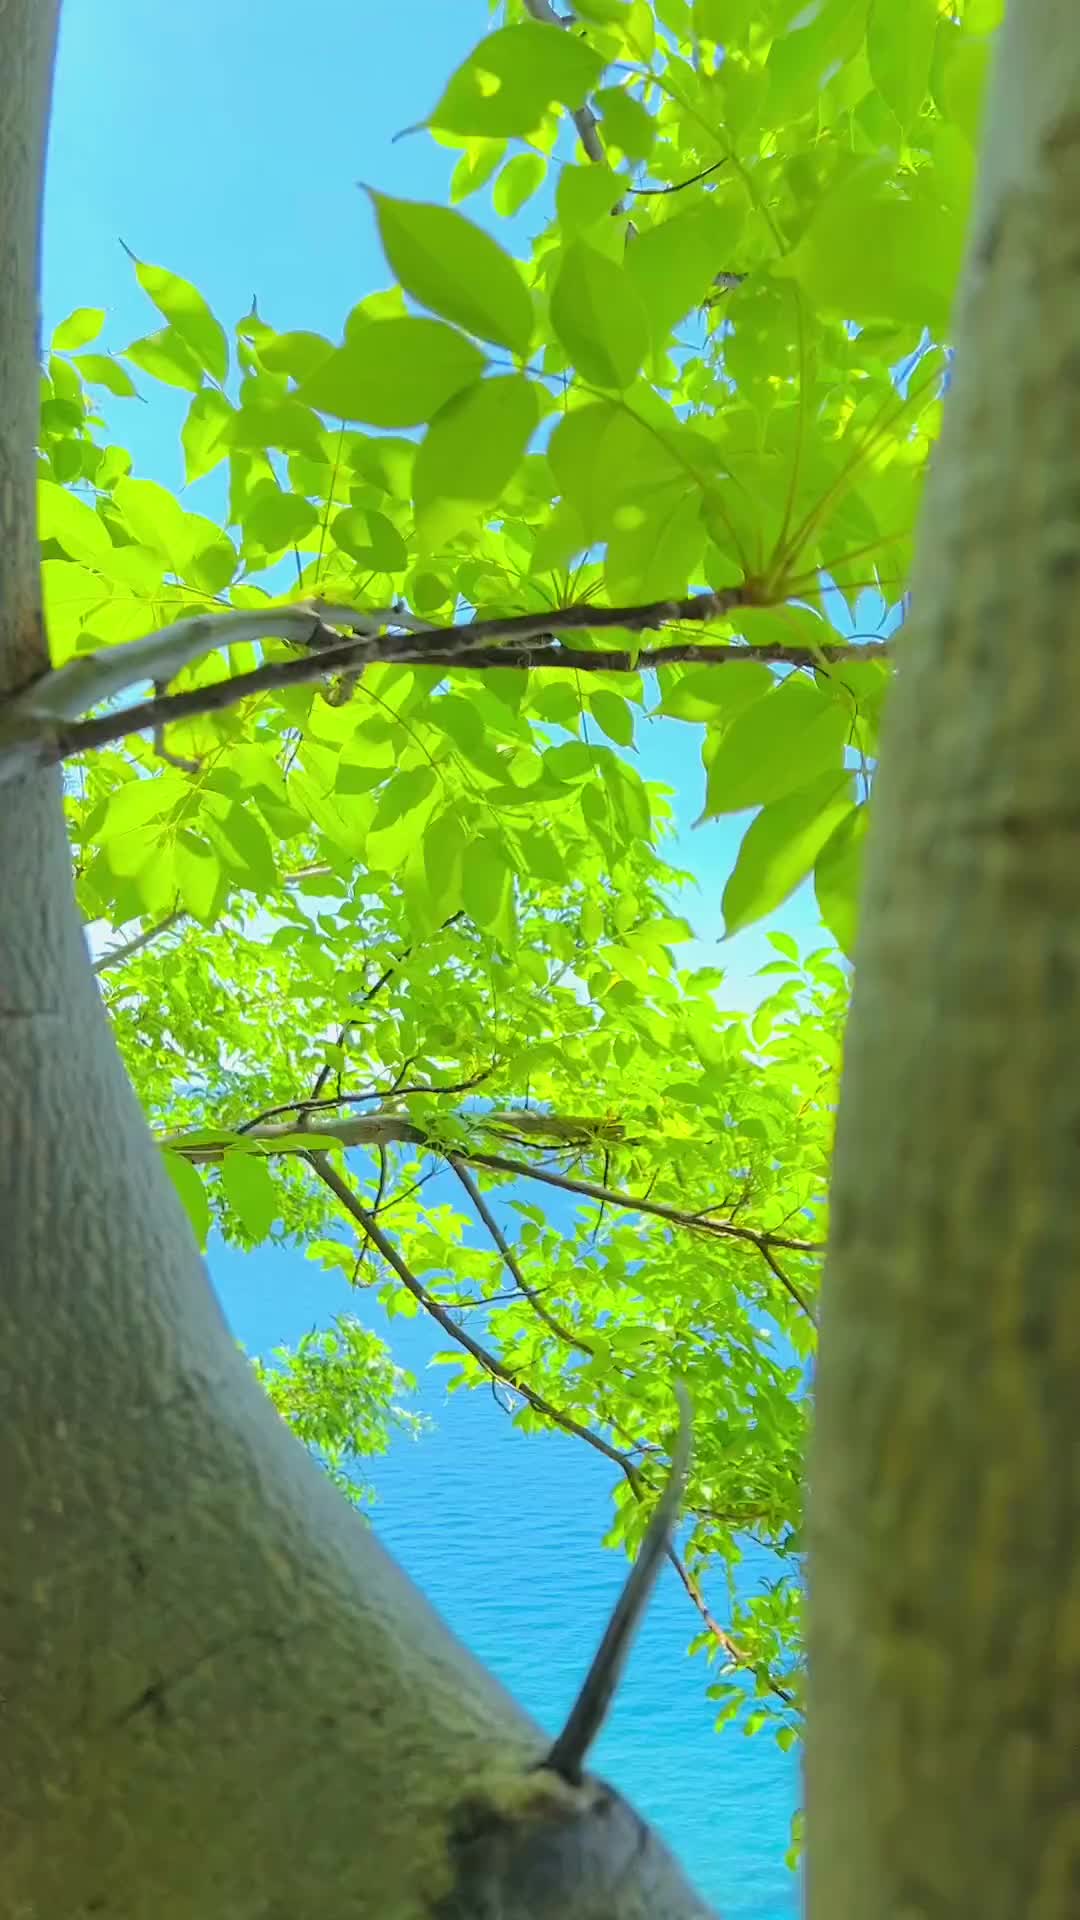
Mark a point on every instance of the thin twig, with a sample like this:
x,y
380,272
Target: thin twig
x,y
482,1355
116,955
509,1258
497,1371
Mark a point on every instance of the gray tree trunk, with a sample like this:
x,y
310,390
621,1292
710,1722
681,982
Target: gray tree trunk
x,y
219,1699
943,1762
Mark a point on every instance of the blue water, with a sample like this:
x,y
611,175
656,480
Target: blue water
x,y
502,1531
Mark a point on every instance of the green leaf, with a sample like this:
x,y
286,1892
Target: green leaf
x,y
275,519
249,1190
99,370
900,37
189,1186
285,424
198,876
296,354
517,183
780,847
167,357
397,374
370,539
598,316
775,745
156,519
82,533
674,263
626,122
838,878
244,843
469,454
508,82
656,554
614,715
488,887
80,327
457,270
204,434
183,306
714,693
584,195
907,275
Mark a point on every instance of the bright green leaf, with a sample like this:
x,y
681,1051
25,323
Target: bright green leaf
x,y
275,519
625,122
370,539
64,517
189,1186
517,183
780,847
598,315
775,745
198,876
613,714
457,270
204,434
508,82
674,263
900,36
838,878
910,271
488,886
78,329
584,195
469,454
397,373
100,370
183,306
166,356
249,1190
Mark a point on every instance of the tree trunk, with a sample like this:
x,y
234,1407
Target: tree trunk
x,y
218,1696
943,1764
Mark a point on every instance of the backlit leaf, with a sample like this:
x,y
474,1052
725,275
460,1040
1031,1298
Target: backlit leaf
x,y
397,373
186,1179
508,82
780,847
900,36
838,878
167,357
183,306
78,329
456,269
249,1190
517,182
204,434
100,370
469,453
777,744
599,317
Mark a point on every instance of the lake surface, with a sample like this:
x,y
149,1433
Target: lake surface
x,y
502,1531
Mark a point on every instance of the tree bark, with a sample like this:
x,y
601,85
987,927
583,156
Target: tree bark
x,y
218,1696
943,1761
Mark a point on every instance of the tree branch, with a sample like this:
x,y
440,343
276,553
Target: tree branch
x,y
38,724
493,1366
510,1259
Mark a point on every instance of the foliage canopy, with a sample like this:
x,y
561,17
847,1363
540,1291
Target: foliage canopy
x,y
415,917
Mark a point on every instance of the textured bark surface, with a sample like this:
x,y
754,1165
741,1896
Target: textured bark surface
x,y
943,1766
218,1696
